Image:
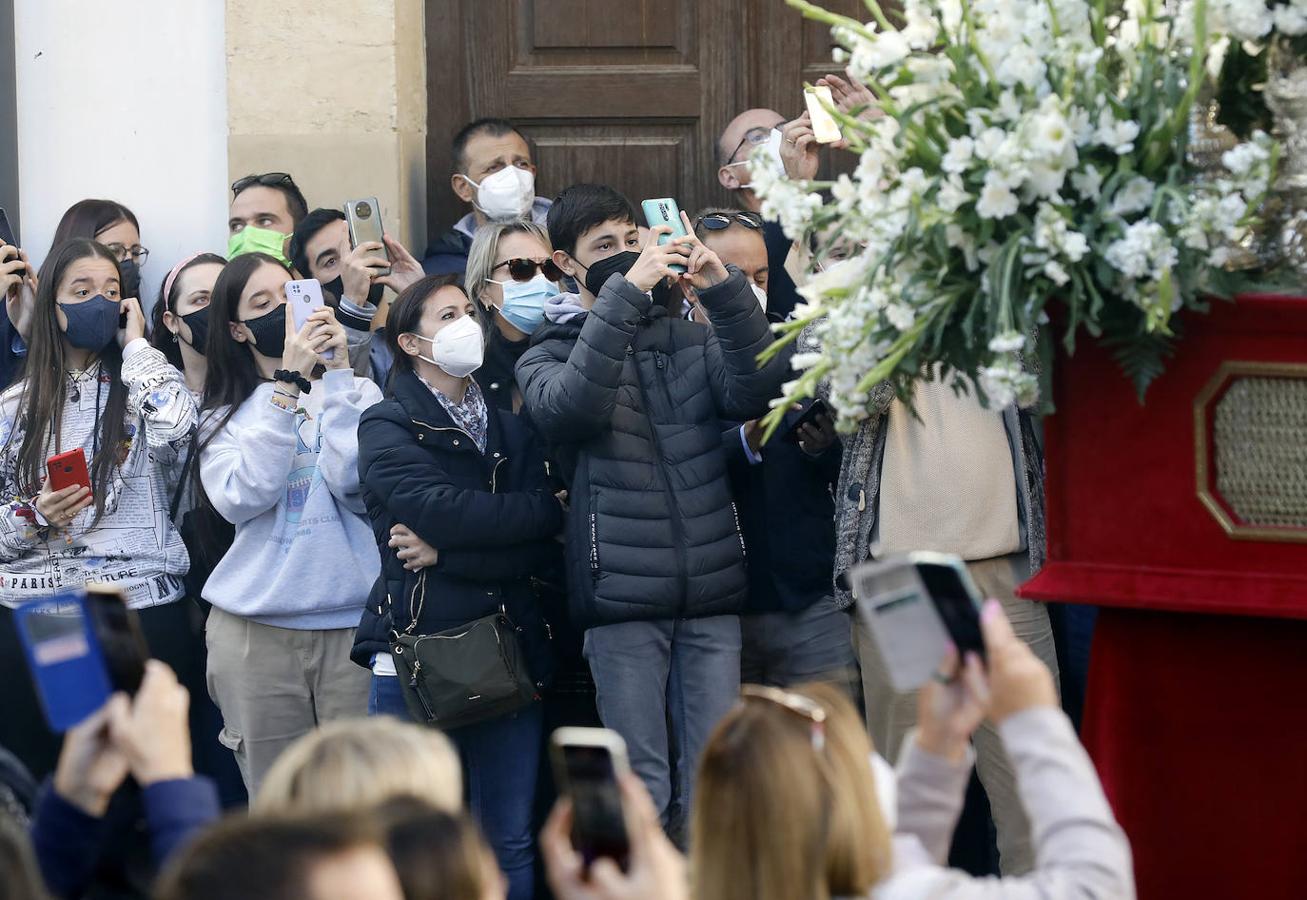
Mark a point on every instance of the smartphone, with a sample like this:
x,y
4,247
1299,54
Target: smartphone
x,y
117,629
914,606
364,220
64,658
304,297
665,212
817,408
67,469
7,232
587,762
824,127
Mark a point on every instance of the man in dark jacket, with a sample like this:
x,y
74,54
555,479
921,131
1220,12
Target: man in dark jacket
x,y
495,175
793,631
634,398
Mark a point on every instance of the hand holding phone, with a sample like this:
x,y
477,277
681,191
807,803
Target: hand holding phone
x,y
67,490
304,298
915,606
824,127
800,431
364,220
587,764
665,212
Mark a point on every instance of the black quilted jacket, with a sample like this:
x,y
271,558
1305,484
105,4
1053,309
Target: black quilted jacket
x,y
633,400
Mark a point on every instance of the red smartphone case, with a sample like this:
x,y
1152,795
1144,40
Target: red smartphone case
x,y
68,469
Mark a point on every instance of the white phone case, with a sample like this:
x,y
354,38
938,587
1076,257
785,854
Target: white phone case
x,y
896,609
304,298
824,126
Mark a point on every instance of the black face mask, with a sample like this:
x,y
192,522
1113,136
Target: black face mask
x,y
269,332
599,273
198,323
131,286
336,287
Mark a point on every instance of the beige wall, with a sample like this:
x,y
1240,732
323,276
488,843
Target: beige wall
x,y
334,92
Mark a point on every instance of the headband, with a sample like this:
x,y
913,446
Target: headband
x,y
172,276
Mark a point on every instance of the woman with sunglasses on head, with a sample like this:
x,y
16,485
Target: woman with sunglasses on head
x,y
278,457
469,480
512,277
92,387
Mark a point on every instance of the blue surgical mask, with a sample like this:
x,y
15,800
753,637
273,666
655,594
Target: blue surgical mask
x,y
93,323
524,302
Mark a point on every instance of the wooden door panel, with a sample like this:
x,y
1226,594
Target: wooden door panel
x,y
651,164
631,94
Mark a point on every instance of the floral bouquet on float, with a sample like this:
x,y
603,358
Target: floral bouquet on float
x,y
1024,154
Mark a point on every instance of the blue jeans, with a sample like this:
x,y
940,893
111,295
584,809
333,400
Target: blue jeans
x,y
500,762
685,672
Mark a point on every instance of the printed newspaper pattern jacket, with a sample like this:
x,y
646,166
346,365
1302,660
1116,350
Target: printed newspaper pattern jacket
x,y
134,545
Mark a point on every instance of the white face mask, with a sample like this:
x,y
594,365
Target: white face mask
x,y
507,194
760,294
457,349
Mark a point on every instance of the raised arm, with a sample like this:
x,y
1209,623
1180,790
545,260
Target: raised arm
x,y
347,398
157,393
244,466
741,389
574,398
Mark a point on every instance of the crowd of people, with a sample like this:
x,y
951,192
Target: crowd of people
x,y
537,448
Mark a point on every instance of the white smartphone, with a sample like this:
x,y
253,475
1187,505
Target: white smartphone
x,y
914,606
587,762
824,126
304,297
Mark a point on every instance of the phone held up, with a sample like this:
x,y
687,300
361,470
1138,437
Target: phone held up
x,y
824,127
67,469
587,762
914,605
81,647
7,232
364,220
304,297
665,212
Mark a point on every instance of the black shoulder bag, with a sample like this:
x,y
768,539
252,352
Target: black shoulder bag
x,y
464,675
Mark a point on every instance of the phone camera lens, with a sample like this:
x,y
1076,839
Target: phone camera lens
x,y
362,210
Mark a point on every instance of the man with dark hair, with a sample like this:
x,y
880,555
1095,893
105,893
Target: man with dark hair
x,y
319,248
495,173
793,631
338,857
264,210
633,398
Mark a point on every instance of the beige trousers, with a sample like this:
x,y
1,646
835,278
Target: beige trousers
x,y
274,685
890,715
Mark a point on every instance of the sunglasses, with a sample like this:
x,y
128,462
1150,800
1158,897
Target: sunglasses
x,y
270,179
720,221
795,703
525,269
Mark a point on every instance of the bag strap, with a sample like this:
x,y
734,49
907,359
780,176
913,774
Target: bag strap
x,y
415,614
185,476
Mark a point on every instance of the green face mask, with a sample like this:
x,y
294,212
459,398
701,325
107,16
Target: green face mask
x,y
257,240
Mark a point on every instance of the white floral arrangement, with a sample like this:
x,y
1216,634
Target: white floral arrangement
x,y
1024,154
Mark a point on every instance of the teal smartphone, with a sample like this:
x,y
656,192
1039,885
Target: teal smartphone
x,y
665,212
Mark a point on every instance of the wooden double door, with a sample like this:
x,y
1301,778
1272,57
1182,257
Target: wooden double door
x,y
632,93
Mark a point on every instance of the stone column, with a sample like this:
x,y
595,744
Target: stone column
x,y
333,92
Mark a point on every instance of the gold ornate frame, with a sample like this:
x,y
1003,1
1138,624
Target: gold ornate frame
x,y
1229,371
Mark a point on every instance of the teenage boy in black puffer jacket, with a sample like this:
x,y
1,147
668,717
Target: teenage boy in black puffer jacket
x,y
633,398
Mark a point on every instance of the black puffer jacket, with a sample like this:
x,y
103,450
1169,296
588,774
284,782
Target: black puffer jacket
x,y
634,399
491,517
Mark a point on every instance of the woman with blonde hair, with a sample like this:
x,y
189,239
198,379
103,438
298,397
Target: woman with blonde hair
x,y
360,763
786,801
787,807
